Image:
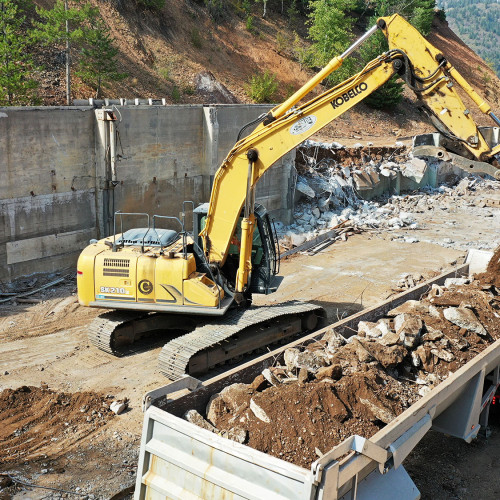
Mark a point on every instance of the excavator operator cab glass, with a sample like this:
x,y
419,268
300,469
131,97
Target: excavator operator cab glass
x,y
264,254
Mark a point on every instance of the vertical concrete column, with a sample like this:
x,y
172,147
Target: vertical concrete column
x,y
101,165
211,140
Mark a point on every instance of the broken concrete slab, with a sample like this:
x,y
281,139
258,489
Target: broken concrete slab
x,y
464,318
232,398
334,340
379,411
409,329
452,282
258,411
195,418
311,361
270,377
388,356
409,307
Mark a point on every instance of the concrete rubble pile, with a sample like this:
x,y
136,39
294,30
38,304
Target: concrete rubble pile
x,y
331,192
321,393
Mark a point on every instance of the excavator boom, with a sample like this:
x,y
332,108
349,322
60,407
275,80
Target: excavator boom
x,y
425,70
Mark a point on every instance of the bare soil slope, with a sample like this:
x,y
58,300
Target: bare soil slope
x,y
163,54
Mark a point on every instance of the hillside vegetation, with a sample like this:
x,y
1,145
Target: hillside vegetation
x,y
206,51
477,23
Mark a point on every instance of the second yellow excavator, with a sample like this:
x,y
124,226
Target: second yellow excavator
x,y
232,251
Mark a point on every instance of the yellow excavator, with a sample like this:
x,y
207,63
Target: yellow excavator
x,y
232,251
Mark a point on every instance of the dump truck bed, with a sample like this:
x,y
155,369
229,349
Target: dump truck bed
x,y
179,460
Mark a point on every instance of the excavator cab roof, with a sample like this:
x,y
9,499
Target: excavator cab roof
x,y
150,237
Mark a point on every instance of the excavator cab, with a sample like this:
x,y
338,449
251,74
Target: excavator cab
x,y
265,252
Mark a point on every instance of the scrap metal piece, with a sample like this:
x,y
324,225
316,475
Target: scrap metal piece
x,y
471,166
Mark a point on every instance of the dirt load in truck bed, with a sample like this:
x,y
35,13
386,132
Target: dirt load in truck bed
x,y
333,388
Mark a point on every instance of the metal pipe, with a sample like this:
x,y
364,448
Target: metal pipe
x,y
248,198
359,41
495,119
112,149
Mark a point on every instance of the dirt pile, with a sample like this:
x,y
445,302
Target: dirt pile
x,y
336,387
36,419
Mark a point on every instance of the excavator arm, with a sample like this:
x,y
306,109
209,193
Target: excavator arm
x,y
424,69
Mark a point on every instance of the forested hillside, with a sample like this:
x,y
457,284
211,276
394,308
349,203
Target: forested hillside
x,y
477,23
216,51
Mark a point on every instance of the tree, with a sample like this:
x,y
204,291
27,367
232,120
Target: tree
x,y
62,25
262,87
330,28
16,84
97,63
80,27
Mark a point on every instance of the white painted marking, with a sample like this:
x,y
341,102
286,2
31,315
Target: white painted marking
x,y
316,268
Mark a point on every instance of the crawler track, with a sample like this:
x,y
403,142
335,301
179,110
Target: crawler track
x,y
102,331
238,332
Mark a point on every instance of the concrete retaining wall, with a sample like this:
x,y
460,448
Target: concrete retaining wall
x,y
55,189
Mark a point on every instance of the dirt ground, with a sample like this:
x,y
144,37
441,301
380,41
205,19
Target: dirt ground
x,y
44,346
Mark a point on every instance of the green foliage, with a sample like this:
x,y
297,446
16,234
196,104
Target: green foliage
x,y
176,94
388,96
289,90
87,34
249,24
188,90
262,87
293,12
422,18
164,72
304,55
216,9
441,15
282,42
16,65
52,27
247,7
97,63
419,13
155,5
330,28
196,38
477,22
